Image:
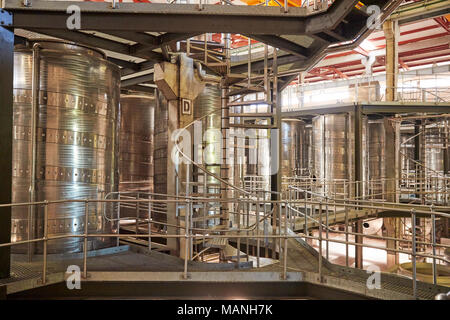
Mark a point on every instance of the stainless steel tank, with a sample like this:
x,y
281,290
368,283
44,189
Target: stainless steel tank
x,y
294,147
136,142
333,147
207,111
160,150
377,158
76,149
435,147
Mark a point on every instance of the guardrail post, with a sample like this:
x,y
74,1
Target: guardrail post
x,y
149,224
433,239
137,212
413,257
118,221
44,255
186,238
257,230
320,241
86,222
285,243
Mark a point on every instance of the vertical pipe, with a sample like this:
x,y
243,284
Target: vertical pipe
x,y
35,87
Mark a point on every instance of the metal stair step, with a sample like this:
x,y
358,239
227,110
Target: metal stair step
x,y
246,103
233,78
219,243
244,91
251,126
251,115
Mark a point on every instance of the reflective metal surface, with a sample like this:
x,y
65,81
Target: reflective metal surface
x,y
136,142
76,147
210,148
377,157
333,147
294,148
435,140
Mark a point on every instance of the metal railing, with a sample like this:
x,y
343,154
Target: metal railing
x,y
431,88
255,212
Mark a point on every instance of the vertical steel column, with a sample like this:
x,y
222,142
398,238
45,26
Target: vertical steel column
x,y
391,33
6,129
358,162
276,151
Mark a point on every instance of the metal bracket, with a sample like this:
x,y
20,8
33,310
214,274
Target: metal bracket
x,y
5,18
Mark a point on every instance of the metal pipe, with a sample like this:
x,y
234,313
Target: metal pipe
x,y
35,88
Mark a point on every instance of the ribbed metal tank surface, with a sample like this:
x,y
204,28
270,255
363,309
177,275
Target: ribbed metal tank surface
x,y
76,150
333,147
137,115
377,157
294,147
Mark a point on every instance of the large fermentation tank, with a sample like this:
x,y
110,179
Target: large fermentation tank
x,y
294,152
333,147
407,151
207,107
76,149
377,158
436,147
136,142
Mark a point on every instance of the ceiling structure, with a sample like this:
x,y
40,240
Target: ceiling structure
x,y
303,35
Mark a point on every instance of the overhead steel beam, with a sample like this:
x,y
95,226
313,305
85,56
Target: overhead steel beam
x,y
138,67
137,80
285,81
126,65
139,88
375,108
283,44
98,42
139,37
178,18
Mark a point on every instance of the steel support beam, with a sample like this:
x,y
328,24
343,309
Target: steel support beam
x,y
6,129
283,44
392,34
137,80
99,42
358,167
179,18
